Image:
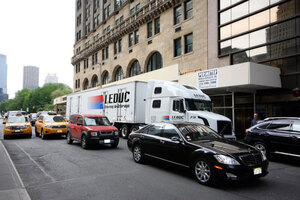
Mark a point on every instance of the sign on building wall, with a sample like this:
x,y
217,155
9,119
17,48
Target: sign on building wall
x,y
208,79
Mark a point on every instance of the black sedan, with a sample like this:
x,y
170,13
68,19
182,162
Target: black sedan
x,y
210,157
276,136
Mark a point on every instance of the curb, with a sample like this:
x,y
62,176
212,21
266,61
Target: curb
x,y
23,194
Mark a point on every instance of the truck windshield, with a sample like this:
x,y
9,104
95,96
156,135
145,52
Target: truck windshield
x,y
96,121
197,104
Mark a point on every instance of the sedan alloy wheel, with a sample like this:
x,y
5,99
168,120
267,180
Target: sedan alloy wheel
x,y
203,172
137,154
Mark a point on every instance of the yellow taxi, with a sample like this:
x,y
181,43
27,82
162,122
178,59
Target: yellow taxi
x,y
50,124
17,125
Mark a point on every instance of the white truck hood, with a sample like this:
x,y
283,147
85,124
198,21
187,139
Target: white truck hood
x,y
208,115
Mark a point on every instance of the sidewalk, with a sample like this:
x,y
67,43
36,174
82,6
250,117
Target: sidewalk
x,y
11,185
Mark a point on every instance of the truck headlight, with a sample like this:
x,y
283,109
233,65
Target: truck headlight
x,y
226,160
94,133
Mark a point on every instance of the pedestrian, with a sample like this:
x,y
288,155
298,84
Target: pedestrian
x,y
255,119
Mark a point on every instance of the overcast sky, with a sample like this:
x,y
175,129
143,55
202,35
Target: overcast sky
x,y
37,33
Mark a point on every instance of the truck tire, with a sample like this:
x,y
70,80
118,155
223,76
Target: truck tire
x,y
69,138
84,142
124,131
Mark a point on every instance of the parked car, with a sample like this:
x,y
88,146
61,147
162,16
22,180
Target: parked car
x,y
276,136
32,117
210,156
17,125
50,124
92,130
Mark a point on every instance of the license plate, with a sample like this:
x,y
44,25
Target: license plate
x,y
17,131
106,141
59,131
257,171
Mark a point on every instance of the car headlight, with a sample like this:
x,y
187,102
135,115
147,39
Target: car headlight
x,y
116,132
94,133
47,126
226,160
8,127
27,126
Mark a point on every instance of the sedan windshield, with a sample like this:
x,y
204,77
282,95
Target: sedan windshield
x,y
196,104
197,132
96,121
17,120
49,119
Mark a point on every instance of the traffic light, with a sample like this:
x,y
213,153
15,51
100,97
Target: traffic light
x,y
296,92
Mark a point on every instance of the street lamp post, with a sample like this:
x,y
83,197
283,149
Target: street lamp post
x,y
100,77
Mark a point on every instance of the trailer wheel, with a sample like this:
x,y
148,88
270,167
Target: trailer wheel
x,y
134,128
124,131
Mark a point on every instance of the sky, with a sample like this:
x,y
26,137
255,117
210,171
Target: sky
x,y
37,33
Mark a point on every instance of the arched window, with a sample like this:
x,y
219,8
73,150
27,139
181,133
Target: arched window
x,y
105,79
85,84
155,62
135,69
119,74
95,81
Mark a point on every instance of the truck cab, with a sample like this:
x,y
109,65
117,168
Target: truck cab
x,y
171,101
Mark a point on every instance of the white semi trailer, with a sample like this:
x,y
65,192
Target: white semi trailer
x,y
136,103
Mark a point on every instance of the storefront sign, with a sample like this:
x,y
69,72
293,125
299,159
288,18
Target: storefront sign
x,y
208,79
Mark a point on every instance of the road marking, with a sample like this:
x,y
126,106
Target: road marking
x,y
24,191
40,167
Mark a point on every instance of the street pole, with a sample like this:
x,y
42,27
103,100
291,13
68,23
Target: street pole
x,y
100,77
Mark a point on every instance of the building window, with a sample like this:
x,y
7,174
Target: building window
x,y
96,37
120,45
177,47
77,68
104,13
106,53
95,81
79,20
119,74
136,36
130,39
103,54
121,18
86,63
95,59
88,12
188,9
85,84
132,11
78,36
96,21
117,22
149,30
135,69
137,7
156,26
87,28
177,15
188,43
78,4
96,4
155,62
115,48
105,79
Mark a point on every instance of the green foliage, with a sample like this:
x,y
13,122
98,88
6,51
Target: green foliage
x,y
36,100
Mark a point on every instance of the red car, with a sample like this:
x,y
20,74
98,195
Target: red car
x,y
92,130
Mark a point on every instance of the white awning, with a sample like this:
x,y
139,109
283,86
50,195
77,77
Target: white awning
x,y
245,77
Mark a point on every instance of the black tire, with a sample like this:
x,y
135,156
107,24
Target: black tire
x,y
204,172
69,138
114,145
138,154
36,133
29,136
134,128
43,135
262,147
84,142
5,137
124,131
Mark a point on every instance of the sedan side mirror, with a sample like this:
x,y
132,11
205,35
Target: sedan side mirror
x,y
4,122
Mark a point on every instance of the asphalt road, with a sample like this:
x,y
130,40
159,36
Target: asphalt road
x,y
52,169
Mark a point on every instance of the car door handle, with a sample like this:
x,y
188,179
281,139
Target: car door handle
x,y
162,141
142,136
294,138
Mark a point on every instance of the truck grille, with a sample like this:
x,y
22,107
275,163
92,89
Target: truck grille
x,y
224,127
251,159
17,127
106,132
59,126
